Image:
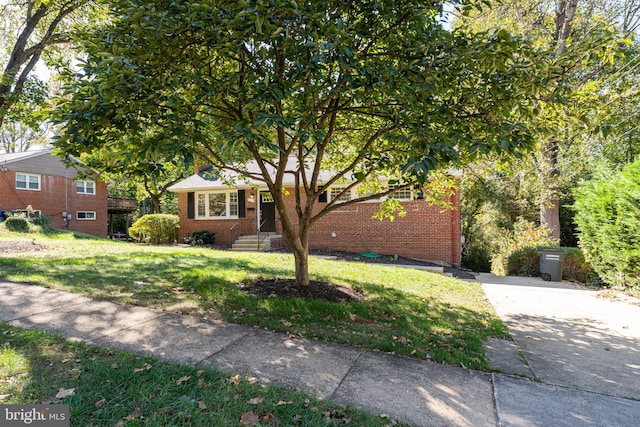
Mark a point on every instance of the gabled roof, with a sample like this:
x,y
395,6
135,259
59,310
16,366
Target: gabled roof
x,y
40,161
207,180
6,158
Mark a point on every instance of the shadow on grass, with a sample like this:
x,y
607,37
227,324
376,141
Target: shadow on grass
x,y
388,319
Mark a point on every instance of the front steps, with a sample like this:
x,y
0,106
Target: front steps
x,y
255,243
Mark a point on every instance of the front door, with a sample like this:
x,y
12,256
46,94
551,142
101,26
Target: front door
x,y
267,213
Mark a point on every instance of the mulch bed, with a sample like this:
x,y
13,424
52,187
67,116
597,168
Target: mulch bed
x,y
288,288
21,246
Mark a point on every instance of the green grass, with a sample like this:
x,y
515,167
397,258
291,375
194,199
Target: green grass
x,y
406,311
116,388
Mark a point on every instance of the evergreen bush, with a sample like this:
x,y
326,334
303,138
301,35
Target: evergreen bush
x,y
42,220
156,229
608,219
17,223
203,237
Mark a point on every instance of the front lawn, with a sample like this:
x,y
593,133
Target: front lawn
x,y
406,311
111,388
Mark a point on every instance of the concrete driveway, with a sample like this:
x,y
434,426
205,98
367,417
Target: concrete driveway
x,y
569,335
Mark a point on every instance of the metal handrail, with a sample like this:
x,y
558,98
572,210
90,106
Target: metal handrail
x,y
259,227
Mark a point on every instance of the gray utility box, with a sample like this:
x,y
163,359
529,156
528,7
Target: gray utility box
x,y
551,264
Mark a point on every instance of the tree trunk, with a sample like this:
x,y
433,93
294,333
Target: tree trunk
x,y
155,199
297,238
550,200
302,266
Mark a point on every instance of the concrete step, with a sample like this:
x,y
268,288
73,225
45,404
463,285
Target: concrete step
x,y
254,243
251,247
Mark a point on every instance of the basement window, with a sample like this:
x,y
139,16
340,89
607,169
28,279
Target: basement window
x,y
86,215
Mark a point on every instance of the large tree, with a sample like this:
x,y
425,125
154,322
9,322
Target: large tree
x,y
587,40
359,89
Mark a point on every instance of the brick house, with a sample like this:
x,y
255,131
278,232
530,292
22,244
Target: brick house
x,y
41,180
246,208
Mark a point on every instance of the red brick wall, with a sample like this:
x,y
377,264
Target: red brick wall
x,y
426,232
227,230
51,201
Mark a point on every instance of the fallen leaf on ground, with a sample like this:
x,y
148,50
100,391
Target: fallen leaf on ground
x,y
183,379
200,372
235,379
201,405
249,418
146,367
255,400
286,323
66,360
282,402
62,393
137,413
4,397
100,402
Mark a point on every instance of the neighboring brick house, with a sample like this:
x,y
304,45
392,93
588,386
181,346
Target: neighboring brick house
x,y
41,180
426,232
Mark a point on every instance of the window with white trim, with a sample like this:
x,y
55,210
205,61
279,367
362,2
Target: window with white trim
x,y
85,187
219,204
26,181
335,194
401,194
86,215
27,213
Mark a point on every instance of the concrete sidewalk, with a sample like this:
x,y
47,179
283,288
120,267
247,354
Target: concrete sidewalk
x,y
412,391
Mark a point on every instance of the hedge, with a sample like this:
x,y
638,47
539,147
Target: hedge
x,y
156,229
17,223
608,219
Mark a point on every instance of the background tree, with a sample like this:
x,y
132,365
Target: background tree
x,y
587,40
139,174
359,89
16,137
31,31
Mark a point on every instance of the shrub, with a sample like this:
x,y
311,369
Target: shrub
x,y
576,267
525,235
477,258
156,229
204,237
526,262
41,220
608,219
17,223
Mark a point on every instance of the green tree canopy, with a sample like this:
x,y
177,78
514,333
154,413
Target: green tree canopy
x,y
33,31
358,88
588,41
